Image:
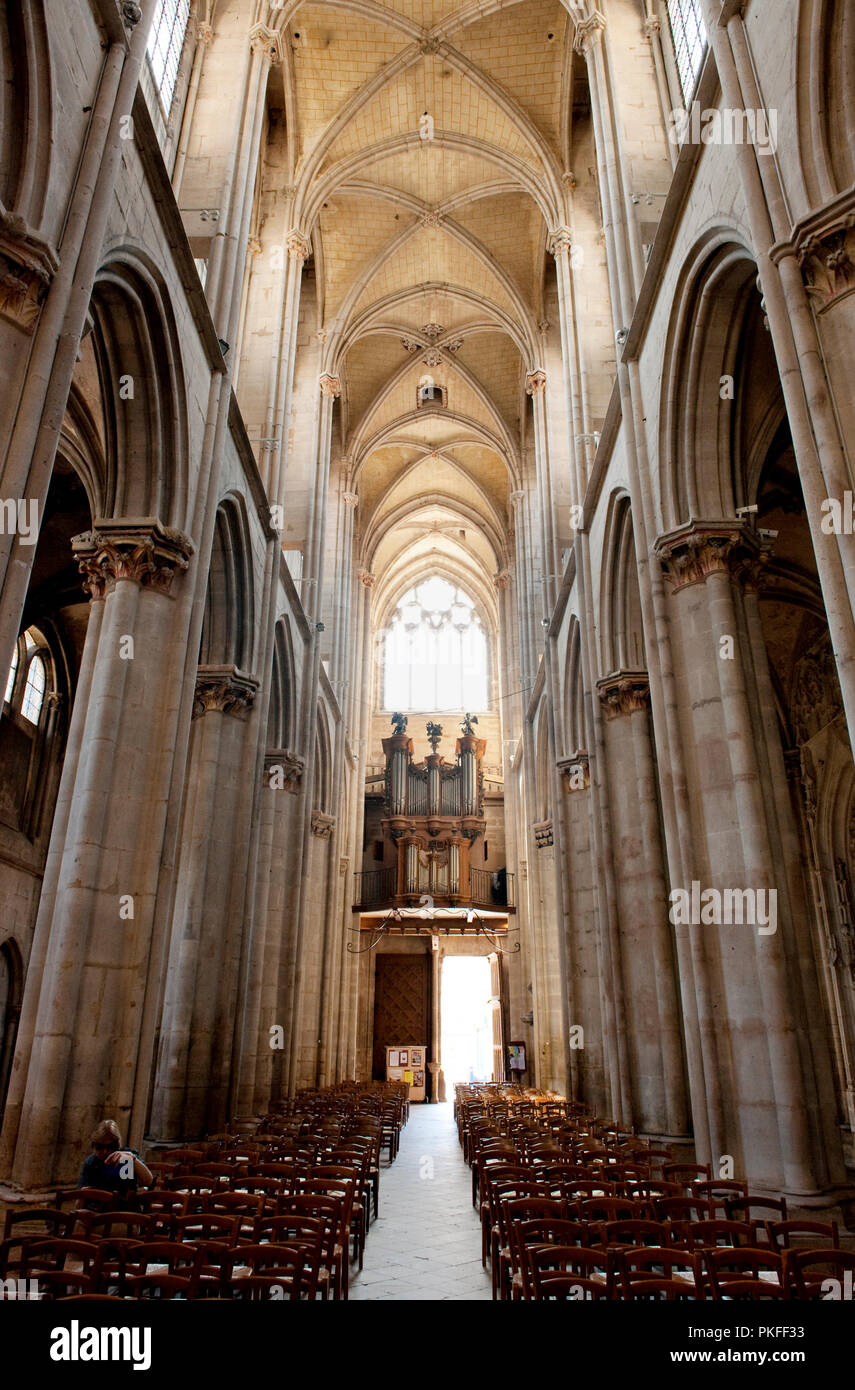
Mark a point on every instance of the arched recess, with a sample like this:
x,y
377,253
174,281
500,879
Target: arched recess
x,y
322,788
703,358
26,90
542,778
575,738
621,624
11,993
141,376
280,725
825,96
229,624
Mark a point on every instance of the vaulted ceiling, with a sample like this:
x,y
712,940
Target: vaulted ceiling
x,y
430,147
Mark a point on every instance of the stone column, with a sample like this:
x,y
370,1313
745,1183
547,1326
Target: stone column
x,y
646,947
189,1094
266,1008
535,385
344,654
94,928
755,992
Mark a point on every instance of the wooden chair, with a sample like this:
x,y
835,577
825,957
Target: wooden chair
x,y
637,1232
650,1262
526,1234
686,1174
727,1265
783,1234
591,1270
161,1286
820,1274
43,1221
705,1235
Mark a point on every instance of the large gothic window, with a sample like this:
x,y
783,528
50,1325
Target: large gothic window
x,y
165,43
435,651
690,40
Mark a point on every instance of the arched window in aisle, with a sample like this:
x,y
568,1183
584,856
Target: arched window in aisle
x,y
435,651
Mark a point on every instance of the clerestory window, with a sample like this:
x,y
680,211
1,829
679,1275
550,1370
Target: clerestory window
x,y
435,651
689,36
165,43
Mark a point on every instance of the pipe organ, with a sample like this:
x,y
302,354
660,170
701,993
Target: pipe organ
x,y
433,812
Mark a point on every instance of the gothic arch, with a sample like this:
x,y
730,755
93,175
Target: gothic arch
x,y
141,379
280,727
825,97
701,363
26,114
229,624
322,791
575,739
620,622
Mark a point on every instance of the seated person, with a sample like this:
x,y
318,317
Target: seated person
x,y
109,1167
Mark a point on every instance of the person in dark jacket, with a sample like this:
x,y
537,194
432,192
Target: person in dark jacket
x,y
109,1167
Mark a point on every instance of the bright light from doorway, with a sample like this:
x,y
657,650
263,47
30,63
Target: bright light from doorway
x,y
467,1029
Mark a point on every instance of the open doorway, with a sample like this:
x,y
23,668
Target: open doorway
x,y
466,1021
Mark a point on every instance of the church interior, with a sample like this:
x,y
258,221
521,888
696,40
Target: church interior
x,y
427,618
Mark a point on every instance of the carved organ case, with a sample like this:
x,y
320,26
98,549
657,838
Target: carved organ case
x,y
433,813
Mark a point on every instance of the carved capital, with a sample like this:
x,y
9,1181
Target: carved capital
x,y
543,837
827,261
626,692
651,27
366,579
139,549
267,42
322,825
298,245
560,242
589,32
204,34
283,771
516,498
693,552
502,579
224,689
27,266
330,385
535,383
350,499
575,772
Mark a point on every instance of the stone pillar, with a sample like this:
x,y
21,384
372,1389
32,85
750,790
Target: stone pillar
x,y
266,1007
707,563
192,1072
78,1041
646,947
535,385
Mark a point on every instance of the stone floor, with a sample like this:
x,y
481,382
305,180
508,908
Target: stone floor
x,y
426,1243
